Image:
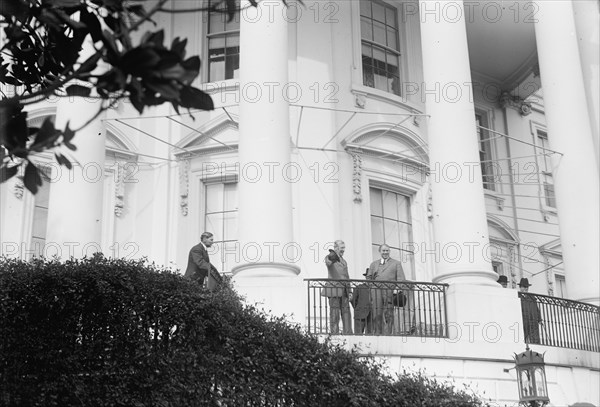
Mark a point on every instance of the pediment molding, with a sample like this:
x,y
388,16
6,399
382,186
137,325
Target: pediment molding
x,y
205,139
391,142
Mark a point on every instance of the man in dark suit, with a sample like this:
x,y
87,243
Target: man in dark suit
x,y
199,265
532,317
337,291
361,301
382,296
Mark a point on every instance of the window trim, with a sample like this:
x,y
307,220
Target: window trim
x,y
384,186
487,115
204,182
206,36
409,66
545,209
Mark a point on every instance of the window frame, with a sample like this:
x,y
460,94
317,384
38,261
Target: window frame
x,y
373,44
409,274
542,174
207,36
490,185
204,184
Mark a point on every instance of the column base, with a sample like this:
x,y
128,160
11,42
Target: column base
x,y
276,288
470,277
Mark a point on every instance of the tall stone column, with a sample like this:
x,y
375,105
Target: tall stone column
x,y
587,23
76,195
267,271
575,172
459,217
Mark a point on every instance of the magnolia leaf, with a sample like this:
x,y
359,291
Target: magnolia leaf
x,y
194,98
32,178
62,160
7,173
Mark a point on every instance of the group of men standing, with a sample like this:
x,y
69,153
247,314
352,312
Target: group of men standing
x,y
373,304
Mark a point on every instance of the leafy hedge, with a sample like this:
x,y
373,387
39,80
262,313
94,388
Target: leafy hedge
x,y
104,332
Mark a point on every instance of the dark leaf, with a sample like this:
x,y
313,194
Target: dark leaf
x,y
93,25
32,178
111,46
62,160
231,9
155,38
7,173
46,136
167,89
139,60
14,8
13,127
135,94
178,47
68,134
78,90
194,98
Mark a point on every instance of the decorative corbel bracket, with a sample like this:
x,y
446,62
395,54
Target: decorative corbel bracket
x,y
356,176
514,102
184,185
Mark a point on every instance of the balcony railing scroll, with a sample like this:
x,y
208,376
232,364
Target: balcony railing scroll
x,y
366,307
559,322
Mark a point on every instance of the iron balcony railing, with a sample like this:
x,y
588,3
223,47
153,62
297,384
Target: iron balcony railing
x,y
366,307
559,322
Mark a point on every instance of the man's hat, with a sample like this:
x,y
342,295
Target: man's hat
x,y
502,280
524,283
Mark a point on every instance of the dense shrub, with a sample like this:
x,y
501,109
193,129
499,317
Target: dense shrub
x,y
103,332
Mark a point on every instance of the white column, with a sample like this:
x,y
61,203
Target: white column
x,y
569,132
459,217
587,23
265,195
75,204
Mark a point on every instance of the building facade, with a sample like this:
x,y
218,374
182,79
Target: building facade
x,y
462,134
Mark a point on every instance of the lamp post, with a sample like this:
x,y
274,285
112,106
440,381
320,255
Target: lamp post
x,y
531,377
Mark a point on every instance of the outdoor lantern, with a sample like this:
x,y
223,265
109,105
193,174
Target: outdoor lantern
x,y
531,377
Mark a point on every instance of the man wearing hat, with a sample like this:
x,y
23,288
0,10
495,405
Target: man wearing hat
x,y
531,314
338,292
503,281
361,301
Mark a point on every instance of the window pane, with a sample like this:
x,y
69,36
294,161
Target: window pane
x,y
40,222
216,23
390,205
214,224
377,230
214,198
405,230
230,196
230,226
392,233
376,203
234,24
232,64
403,208
366,29
365,8
549,193
392,38
378,12
390,16
379,33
